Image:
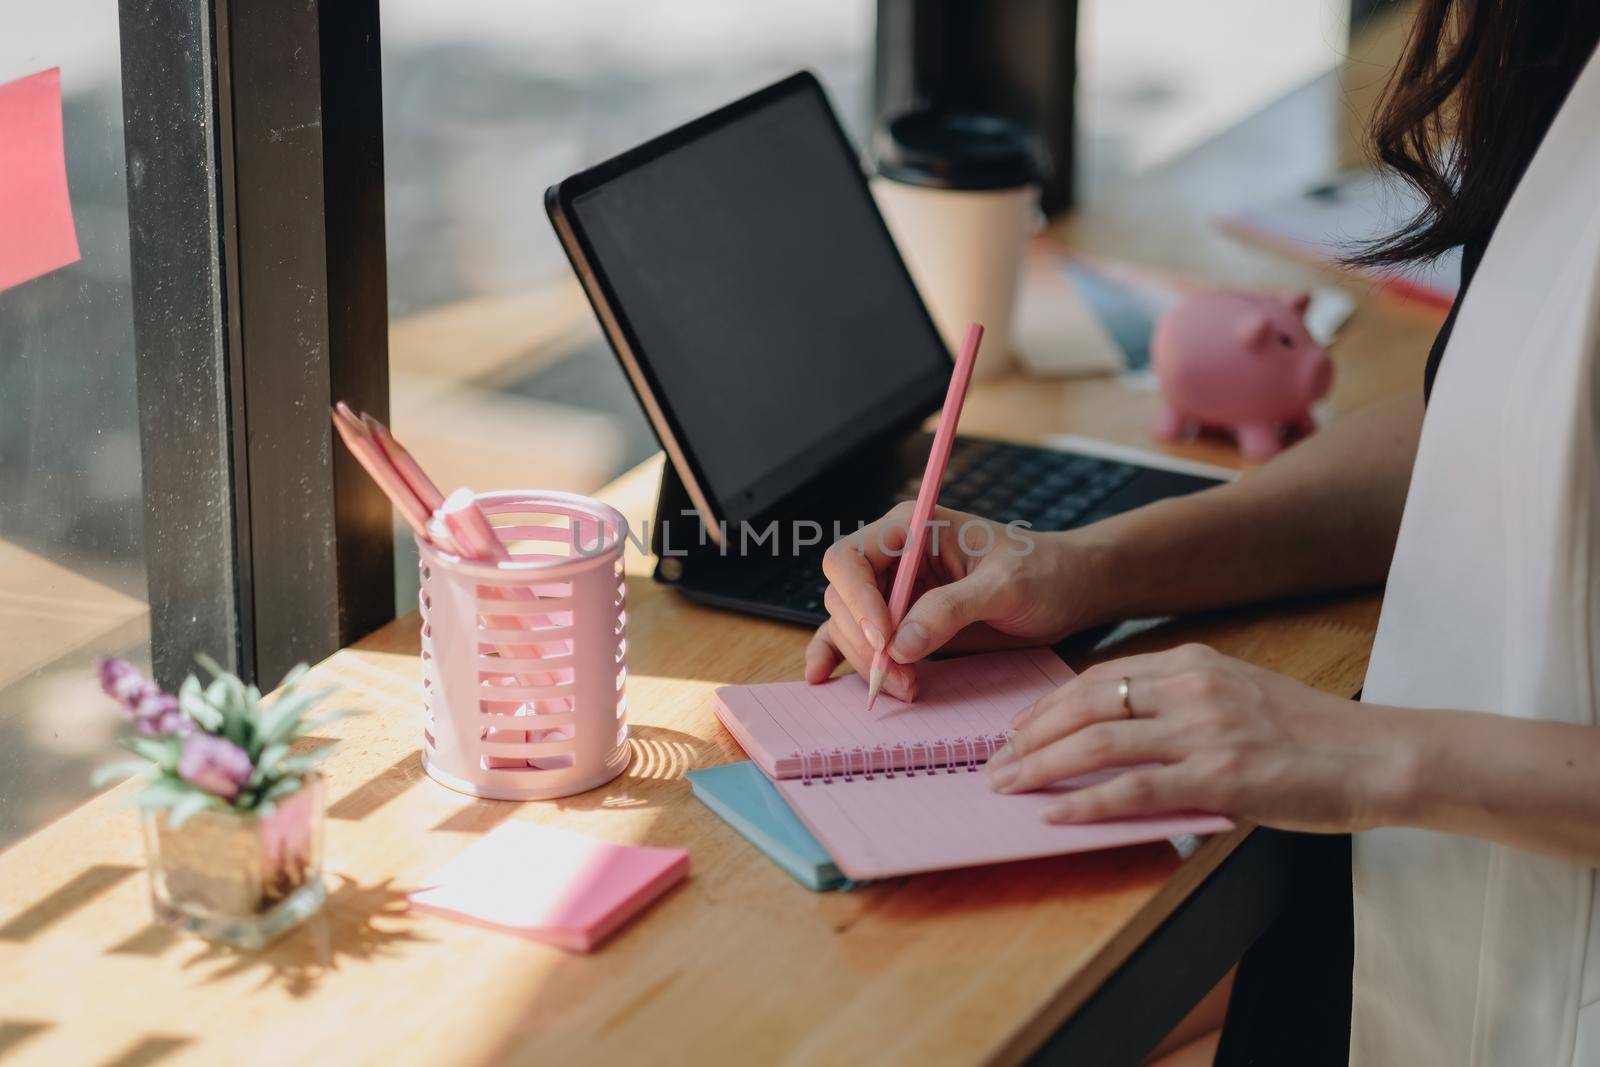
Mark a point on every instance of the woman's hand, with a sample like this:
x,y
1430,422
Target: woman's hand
x,y
1207,733
981,585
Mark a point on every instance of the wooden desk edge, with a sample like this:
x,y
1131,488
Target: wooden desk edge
x,y
1059,1011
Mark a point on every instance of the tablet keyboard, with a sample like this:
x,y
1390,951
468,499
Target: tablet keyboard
x,y
1012,483
1000,481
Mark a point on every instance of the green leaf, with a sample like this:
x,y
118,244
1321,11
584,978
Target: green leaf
x,y
186,808
281,721
233,703
281,788
217,694
120,771
295,673
164,752
238,696
244,800
192,701
151,748
164,792
267,762
299,765
236,727
226,694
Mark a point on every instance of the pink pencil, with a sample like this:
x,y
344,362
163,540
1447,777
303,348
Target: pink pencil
x,y
404,465
470,528
455,524
944,437
361,445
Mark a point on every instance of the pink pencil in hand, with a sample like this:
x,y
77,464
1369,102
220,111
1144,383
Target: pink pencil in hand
x,y
944,438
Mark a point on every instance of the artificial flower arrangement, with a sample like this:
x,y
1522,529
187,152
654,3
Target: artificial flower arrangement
x,y
232,814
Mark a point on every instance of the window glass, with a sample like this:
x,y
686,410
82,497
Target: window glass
x,y
1158,77
72,576
500,377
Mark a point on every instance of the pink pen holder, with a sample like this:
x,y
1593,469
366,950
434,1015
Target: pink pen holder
x,y
523,661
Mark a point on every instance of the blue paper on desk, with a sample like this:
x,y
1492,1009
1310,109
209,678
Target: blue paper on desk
x,y
747,801
1126,312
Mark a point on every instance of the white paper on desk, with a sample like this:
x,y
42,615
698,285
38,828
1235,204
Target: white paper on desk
x,y
1330,309
1056,332
1139,457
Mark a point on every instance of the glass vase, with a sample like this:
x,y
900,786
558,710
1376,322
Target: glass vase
x,y
241,879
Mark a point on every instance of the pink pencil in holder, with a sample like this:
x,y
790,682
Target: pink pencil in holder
x,y
466,525
409,470
358,439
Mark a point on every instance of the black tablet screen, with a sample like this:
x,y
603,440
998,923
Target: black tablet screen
x,y
765,296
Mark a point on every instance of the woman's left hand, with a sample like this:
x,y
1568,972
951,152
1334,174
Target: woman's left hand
x,y
1206,732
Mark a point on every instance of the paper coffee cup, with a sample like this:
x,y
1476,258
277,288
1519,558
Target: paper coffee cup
x,y
960,194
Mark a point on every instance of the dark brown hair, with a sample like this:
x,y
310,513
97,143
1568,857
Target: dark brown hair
x,y
1466,107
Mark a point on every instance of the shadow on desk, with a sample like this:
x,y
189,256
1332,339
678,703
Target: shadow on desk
x,y
359,924
1085,877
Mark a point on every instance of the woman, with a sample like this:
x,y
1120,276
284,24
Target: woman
x,y
1470,771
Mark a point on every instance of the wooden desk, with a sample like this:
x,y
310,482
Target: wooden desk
x,y
740,964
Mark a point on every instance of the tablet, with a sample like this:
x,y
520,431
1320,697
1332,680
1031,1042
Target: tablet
x,y
751,291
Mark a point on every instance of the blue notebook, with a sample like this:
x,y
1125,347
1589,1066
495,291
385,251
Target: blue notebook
x,y
747,801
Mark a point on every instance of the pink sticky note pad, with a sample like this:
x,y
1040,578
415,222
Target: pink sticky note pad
x,y
551,885
36,231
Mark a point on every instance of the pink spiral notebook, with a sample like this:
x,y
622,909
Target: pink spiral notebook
x,y
901,791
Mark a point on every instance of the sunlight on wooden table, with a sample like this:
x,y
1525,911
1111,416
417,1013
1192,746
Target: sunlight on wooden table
x,y
1006,951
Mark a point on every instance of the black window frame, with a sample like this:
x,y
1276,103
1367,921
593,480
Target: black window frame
x,y
259,297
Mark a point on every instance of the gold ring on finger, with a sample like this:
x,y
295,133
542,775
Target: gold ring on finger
x,y
1124,692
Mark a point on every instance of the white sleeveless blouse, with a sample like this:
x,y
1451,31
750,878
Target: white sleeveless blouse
x,y
1470,953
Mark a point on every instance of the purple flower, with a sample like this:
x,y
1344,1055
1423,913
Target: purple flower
x,y
214,764
120,680
155,712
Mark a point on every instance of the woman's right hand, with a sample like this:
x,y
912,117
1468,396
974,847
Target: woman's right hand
x,y
981,585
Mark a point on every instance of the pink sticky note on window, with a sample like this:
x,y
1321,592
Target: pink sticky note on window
x,y
551,885
36,231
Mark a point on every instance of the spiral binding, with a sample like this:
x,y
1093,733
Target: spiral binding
x,y
950,755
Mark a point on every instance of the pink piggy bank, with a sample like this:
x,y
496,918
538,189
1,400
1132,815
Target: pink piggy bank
x,y
1240,362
